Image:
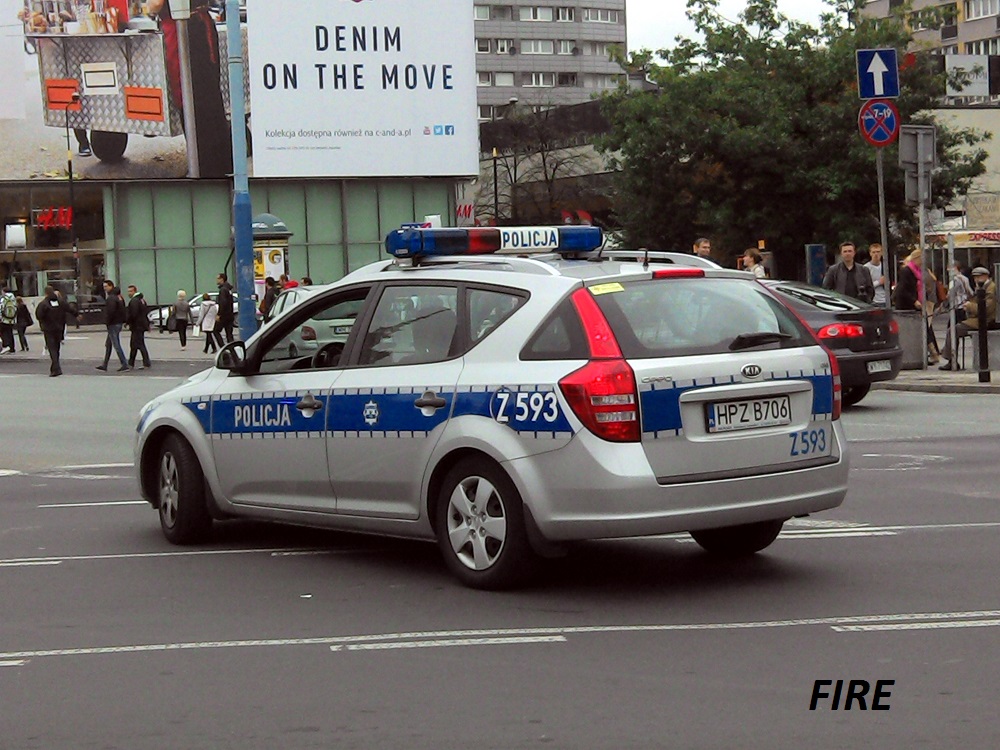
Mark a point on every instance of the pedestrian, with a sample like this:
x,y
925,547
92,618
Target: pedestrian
x,y
702,247
114,319
270,292
907,296
227,315
307,281
181,313
876,269
753,262
51,313
137,318
286,283
959,291
208,316
24,321
980,278
847,277
8,320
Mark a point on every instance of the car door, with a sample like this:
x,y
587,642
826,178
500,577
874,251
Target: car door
x,y
389,409
269,424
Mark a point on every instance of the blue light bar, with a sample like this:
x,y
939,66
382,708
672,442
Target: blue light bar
x,y
409,242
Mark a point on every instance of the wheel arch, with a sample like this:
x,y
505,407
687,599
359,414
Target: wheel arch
x,y
149,466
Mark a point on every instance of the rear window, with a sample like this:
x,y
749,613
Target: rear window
x,y
678,317
824,299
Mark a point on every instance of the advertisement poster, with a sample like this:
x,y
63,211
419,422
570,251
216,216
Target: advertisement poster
x,y
363,88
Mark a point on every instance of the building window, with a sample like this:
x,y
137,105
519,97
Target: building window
x,y
503,79
536,14
598,49
482,46
981,8
600,81
540,80
983,47
600,15
537,47
566,79
566,47
501,13
482,12
504,46
484,79
565,14
485,112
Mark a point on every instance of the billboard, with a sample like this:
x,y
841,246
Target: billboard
x,y
335,88
356,88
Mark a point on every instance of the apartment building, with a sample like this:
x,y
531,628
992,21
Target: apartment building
x,y
545,55
971,27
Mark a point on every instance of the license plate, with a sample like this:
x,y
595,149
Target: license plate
x,y
879,365
342,330
728,416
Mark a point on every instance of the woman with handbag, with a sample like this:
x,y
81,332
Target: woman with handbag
x,y
180,314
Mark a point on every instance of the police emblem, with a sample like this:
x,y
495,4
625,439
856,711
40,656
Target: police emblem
x,y
371,413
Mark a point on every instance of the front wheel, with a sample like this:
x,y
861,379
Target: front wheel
x,y
180,485
480,526
738,541
854,393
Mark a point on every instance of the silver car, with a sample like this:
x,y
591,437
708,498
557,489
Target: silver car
x,y
505,406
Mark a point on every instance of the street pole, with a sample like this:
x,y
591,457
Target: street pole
x,y
72,203
952,333
883,222
181,12
242,215
496,194
925,268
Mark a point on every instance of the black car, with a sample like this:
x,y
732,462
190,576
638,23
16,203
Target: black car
x,y
864,338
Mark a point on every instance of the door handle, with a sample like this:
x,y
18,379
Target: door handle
x,y
430,400
309,402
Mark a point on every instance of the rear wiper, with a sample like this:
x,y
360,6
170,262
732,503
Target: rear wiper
x,y
747,340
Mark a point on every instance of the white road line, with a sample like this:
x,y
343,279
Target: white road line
x,y
14,663
504,633
918,625
83,477
94,466
23,561
94,505
451,643
9,473
28,564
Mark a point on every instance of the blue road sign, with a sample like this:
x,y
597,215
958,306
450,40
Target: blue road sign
x,y
878,74
878,122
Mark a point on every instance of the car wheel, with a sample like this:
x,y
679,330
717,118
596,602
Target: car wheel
x,y
738,541
180,487
480,526
854,393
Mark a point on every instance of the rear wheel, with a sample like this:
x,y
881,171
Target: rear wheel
x,y
854,393
480,526
738,541
180,487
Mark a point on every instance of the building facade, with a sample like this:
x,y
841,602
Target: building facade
x,y
545,55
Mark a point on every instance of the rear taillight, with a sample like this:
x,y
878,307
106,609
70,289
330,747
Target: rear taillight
x,y
893,327
837,390
602,393
679,273
840,331
308,333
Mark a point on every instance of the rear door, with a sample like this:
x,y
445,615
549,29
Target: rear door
x,y
730,383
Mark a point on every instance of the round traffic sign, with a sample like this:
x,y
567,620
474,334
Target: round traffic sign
x,y
878,122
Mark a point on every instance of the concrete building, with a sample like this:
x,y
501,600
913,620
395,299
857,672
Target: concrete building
x,y
544,55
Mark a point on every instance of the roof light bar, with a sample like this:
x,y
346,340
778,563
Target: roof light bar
x,y
408,242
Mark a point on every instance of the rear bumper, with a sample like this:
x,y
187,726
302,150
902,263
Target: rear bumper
x,y
854,366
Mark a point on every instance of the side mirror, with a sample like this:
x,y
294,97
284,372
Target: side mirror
x,y
232,357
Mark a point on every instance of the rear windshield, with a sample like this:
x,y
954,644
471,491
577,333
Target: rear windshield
x,y
677,317
824,299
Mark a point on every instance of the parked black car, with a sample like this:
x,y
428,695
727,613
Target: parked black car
x,y
864,338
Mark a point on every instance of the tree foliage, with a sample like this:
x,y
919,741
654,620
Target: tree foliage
x,y
754,134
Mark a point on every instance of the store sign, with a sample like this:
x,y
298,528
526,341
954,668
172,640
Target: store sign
x,y
363,89
54,217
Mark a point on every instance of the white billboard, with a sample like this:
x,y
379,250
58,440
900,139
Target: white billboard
x,y
977,70
363,88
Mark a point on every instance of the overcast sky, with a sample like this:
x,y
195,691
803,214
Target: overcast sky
x,y
655,23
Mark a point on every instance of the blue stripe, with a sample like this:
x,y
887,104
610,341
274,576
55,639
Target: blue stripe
x,y
384,413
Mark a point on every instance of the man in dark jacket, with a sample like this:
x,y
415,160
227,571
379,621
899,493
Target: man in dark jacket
x,y
227,315
137,318
114,319
51,315
847,277
270,292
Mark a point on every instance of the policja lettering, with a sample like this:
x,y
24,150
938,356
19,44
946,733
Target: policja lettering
x,y
263,415
529,238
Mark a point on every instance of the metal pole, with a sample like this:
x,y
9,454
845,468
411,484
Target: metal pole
x,y
187,97
72,204
496,194
883,222
984,355
950,276
242,215
922,216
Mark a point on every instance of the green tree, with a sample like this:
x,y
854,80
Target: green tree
x,y
753,134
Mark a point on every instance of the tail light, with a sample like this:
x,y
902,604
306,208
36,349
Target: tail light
x,y
308,333
679,273
841,331
602,393
893,327
838,392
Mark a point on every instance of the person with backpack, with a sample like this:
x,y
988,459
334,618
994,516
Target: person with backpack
x,y
24,322
51,313
114,319
8,320
137,319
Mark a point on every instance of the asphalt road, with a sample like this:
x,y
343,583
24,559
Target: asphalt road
x,y
272,637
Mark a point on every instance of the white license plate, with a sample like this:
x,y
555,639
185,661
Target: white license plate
x,y
727,416
879,365
341,330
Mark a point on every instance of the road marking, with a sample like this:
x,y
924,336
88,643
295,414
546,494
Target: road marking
x,y
94,505
506,633
14,663
904,462
451,643
918,625
27,563
9,473
274,552
856,530
94,466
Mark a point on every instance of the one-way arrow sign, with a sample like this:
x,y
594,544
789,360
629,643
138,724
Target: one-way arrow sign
x,y
878,74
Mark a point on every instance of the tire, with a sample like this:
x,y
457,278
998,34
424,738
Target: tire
x,y
180,488
109,147
480,526
854,393
738,541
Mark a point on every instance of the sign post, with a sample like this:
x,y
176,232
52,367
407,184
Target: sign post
x,y
878,122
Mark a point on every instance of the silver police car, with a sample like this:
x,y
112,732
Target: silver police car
x,y
504,403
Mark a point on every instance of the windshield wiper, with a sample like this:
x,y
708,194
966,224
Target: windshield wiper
x,y
747,340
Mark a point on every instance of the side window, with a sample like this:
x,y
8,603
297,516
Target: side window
x,y
314,336
560,337
488,309
412,325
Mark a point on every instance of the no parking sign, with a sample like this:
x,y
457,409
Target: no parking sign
x,y
878,122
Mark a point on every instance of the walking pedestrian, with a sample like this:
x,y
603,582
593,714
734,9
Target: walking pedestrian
x,y
114,319
182,316
227,315
876,269
51,313
8,319
24,321
847,277
907,297
208,316
137,318
270,292
753,262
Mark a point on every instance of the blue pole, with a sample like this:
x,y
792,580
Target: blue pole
x,y
242,215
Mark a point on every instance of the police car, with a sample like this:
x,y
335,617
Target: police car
x,y
504,403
